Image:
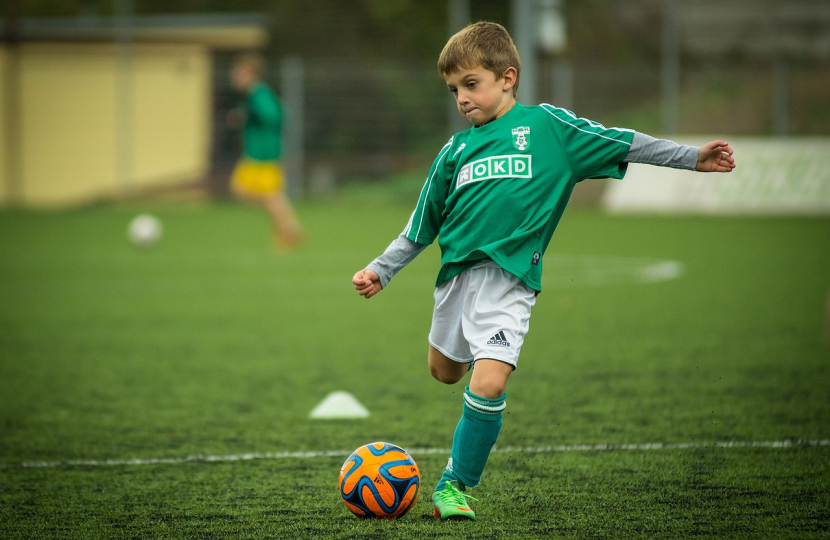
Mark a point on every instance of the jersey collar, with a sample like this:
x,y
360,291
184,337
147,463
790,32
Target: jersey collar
x,y
491,126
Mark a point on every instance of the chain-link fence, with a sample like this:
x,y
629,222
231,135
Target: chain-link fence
x,y
364,101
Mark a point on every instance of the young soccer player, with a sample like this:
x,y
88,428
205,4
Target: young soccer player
x,y
493,198
258,176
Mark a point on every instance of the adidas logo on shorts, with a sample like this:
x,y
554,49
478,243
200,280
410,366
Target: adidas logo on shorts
x,y
499,339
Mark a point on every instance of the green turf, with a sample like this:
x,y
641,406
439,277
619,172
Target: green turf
x,y
213,344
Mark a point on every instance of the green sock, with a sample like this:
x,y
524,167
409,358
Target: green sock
x,y
474,437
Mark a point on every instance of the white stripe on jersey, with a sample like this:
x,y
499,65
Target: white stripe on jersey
x,y
593,124
409,223
427,186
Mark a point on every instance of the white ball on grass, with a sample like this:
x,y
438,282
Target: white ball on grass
x,y
144,230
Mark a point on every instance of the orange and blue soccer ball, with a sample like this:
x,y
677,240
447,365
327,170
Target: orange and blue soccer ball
x,y
379,480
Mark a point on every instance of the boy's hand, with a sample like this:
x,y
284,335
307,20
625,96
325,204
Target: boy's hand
x,y
367,283
715,156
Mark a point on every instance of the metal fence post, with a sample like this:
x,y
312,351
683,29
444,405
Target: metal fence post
x,y
292,92
124,11
524,32
459,17
670,66
780,97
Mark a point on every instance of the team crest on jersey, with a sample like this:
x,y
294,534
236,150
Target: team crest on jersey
x,y
521,138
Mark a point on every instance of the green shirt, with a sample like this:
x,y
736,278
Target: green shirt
x,y
499,190
263,123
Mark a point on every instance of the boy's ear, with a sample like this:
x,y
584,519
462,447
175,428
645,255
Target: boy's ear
x,y
509,78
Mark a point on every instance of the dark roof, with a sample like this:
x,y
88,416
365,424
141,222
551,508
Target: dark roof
x,y
223,31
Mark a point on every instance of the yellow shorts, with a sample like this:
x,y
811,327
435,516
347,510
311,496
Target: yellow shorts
x,y
261,177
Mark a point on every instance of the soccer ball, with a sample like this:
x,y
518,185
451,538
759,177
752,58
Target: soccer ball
x,y
144,230
379,480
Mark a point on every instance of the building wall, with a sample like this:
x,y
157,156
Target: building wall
x,y
94,126
171,114
67,116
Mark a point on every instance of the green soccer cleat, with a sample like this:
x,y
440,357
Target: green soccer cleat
x,y
450,503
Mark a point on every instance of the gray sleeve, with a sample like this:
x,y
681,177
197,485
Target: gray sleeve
x,y
662,152
400,252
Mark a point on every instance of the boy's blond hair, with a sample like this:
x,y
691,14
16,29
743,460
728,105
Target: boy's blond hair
x,y
484,44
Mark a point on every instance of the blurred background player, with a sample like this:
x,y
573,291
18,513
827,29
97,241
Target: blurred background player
x,y
258,177
493,198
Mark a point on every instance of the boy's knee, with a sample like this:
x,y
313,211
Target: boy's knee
x,y
444,369
490,389
490,378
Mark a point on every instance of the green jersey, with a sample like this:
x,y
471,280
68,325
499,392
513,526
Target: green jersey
x,y
263,123
498,191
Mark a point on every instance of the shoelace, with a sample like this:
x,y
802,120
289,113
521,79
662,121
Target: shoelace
x,y
453,495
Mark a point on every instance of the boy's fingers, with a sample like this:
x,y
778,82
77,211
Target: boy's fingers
x,y
719,146
366,283
361,279
726,164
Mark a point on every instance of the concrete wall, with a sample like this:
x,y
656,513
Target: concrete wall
x,y
773,176
91,129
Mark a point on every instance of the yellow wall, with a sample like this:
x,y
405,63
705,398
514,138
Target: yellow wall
x,y
68,151
71,95
171,114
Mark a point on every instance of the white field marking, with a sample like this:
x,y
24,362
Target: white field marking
x,y
563,270
786,443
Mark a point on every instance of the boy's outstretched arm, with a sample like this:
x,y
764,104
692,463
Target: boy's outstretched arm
x,y
715,156
367,283
372,279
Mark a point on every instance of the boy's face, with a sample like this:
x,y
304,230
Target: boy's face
x,y
480,97
242,77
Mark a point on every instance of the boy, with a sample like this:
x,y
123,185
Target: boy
x,y
493,198
258,175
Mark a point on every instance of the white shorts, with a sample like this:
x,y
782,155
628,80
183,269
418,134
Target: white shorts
x,y
484,312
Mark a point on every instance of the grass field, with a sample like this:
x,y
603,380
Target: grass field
x,y
213,345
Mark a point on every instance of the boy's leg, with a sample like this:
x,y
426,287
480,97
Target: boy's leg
x,y
474,437
261,183
444,369
492,309
287,226
480,423
247,195
490,378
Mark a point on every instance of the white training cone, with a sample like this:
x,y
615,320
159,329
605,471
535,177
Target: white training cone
x,y
339,405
